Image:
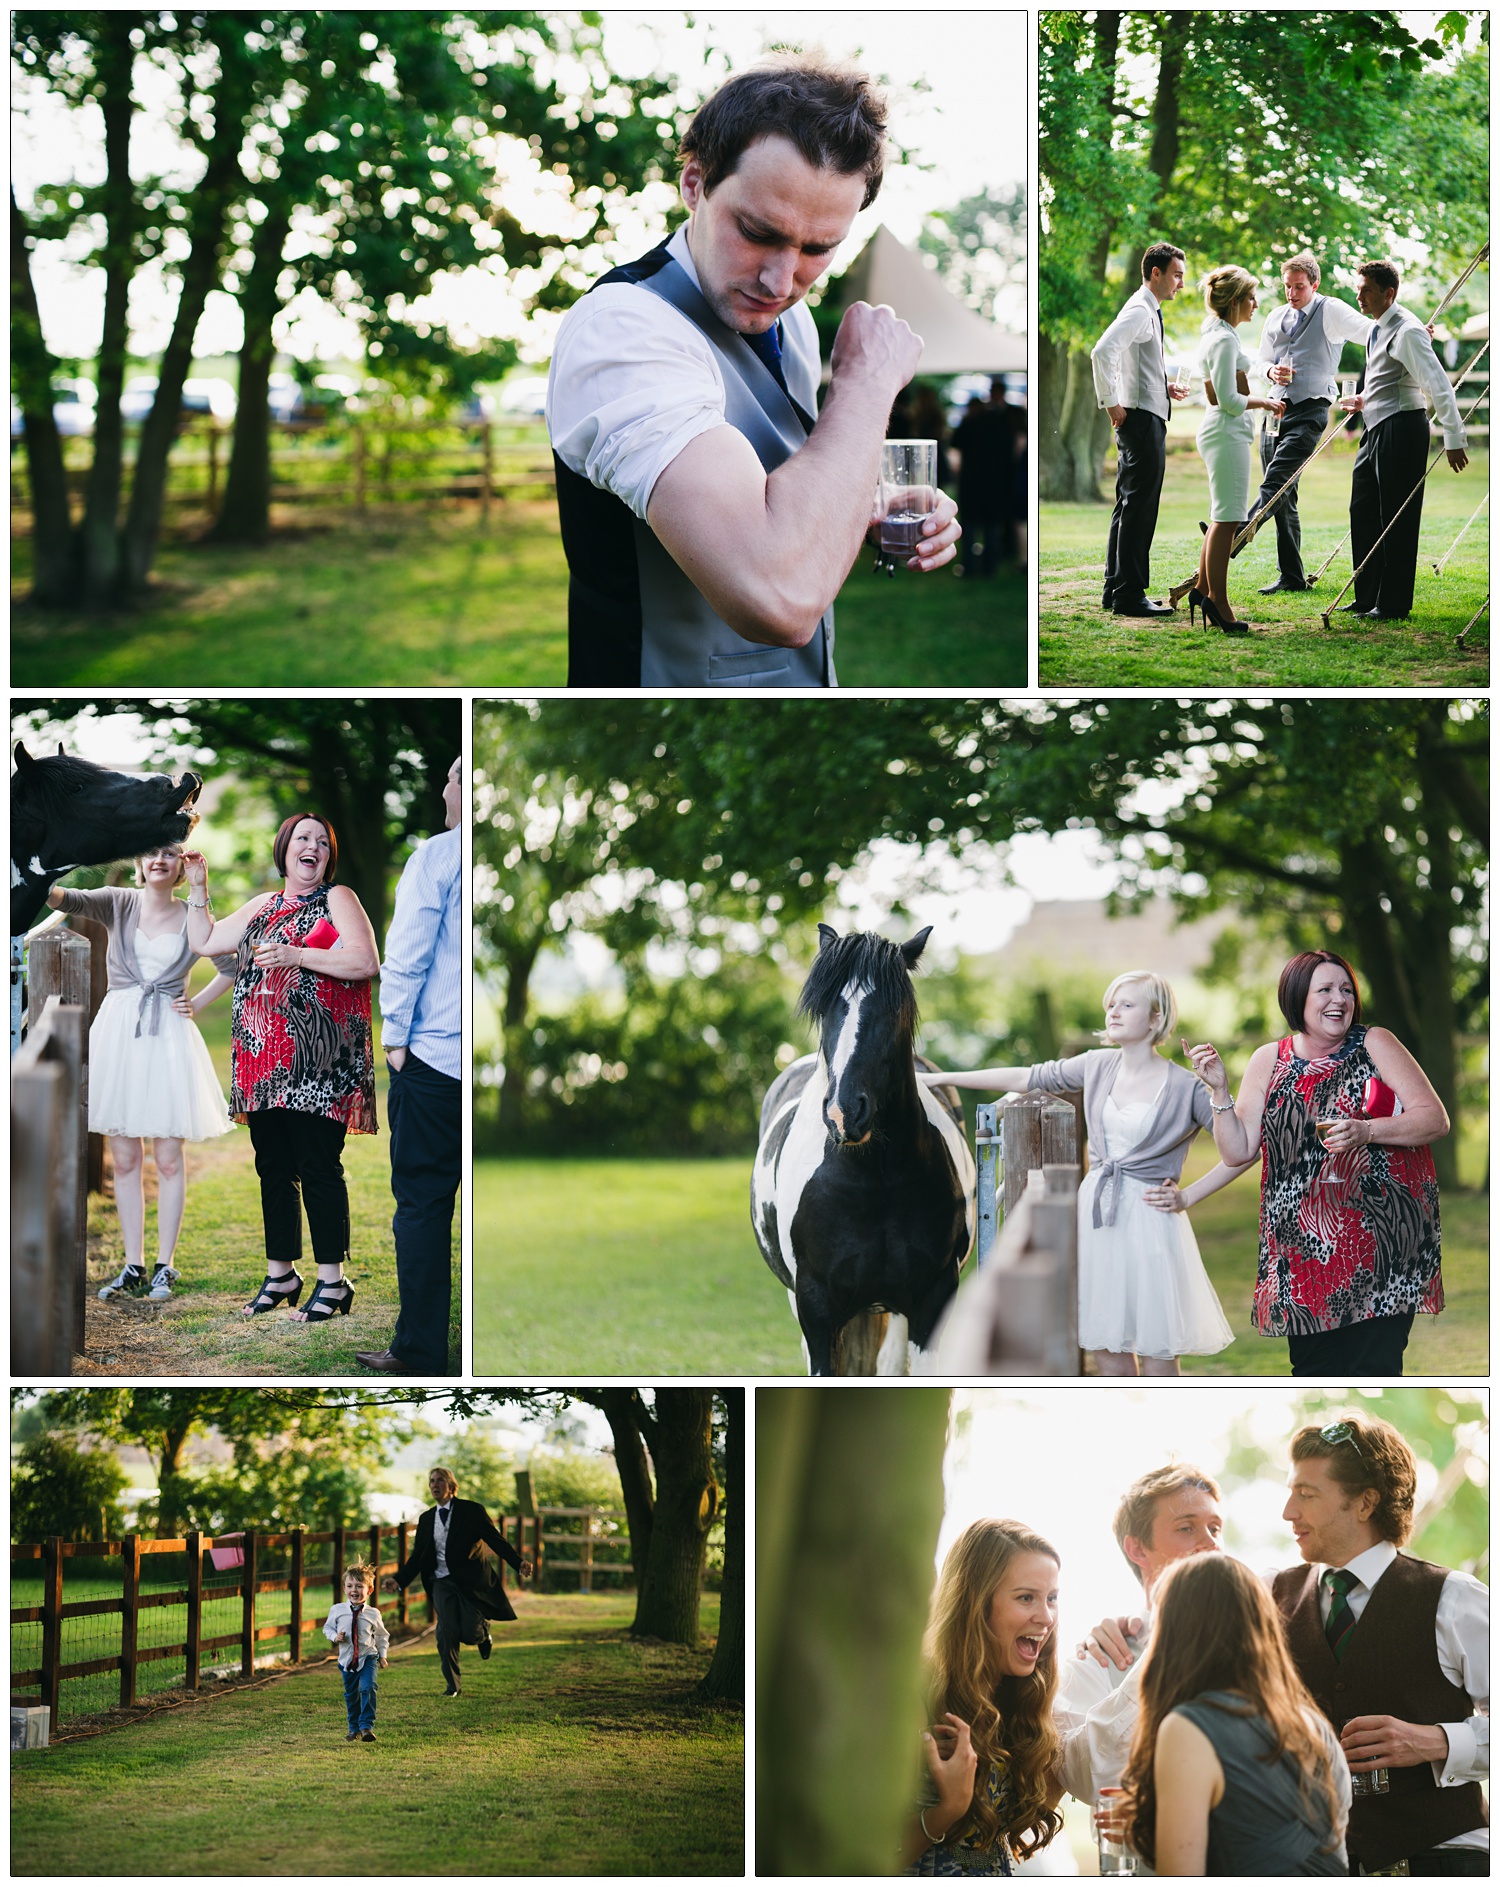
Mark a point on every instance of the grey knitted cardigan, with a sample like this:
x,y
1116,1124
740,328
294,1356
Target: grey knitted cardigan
x,y
118,908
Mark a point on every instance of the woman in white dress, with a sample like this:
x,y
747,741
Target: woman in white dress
x,y
1224,441
1144,1298
150,1073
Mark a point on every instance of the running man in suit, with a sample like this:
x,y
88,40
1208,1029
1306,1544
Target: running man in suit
x,y
464,1587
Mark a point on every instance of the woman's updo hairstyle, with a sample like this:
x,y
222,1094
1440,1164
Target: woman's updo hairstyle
x,y
1224,288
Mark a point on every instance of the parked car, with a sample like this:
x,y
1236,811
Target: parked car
x,y
207,399
332,393
73,403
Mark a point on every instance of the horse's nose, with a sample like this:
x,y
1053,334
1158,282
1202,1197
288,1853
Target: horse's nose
x,y
857,1112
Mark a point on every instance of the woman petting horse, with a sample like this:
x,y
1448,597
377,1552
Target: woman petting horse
x,y
862,1193
1142,1289
993,1752
150,1075
304,1072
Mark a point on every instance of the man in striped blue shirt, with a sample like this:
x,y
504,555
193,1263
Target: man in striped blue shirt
x,y
421,1008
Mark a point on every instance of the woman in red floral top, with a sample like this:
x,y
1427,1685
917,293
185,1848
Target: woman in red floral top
x,y
1350,1240
304,1071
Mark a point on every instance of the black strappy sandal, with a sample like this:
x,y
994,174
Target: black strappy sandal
x,y
267,1299
320,1307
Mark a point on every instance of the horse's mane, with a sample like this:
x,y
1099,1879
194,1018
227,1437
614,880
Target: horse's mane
x,y
866,958
47,783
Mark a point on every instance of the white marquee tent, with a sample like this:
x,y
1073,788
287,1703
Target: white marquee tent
x,y
957,340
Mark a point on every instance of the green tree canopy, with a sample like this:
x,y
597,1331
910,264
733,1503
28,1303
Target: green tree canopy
x,y
59,1487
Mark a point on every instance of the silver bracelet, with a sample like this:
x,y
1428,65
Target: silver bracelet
x,y
933,1840
1226,1108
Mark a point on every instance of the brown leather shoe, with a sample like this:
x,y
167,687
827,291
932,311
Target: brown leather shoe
x,y
386,1361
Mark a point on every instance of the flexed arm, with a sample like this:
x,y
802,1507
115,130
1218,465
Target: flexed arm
x,y
1236,1122
210,939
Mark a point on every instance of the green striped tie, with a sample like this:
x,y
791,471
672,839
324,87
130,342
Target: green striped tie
x,y
1341,1620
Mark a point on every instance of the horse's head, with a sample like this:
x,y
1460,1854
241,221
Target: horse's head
x,y
67,811
859,992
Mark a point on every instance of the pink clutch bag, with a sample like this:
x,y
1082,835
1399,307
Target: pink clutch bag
x,y
323,936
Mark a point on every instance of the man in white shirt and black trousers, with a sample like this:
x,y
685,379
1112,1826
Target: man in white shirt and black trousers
x,y
710,511
1300,347
1130,379
465,1589
1400,366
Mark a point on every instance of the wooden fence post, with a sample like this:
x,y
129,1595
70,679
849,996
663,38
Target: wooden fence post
x,y
986,1159
586,1556
375,1553
130,1592
295,1625
247,1606
1036,1130
339,1551
404,1601
58,964
358,440
489,473
194,1633
52,1593
41,1284
98,942
213,468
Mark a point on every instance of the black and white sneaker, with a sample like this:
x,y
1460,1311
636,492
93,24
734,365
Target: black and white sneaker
x,y
130,1283
162,1280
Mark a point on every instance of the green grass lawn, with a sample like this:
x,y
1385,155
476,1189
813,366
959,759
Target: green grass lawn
x,y
432,598
221,1255
614,1266
574,1750
1288,646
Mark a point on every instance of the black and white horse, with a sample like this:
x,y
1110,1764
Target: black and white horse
x,y
862,1195
66,812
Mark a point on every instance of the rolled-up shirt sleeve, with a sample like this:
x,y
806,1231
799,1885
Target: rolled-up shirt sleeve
x,y
632,383
1413,348
1463,1650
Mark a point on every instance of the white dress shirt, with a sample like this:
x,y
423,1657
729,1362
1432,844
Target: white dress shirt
x,y
421,978
633,382
1095,1710
374,1640
1411,345
1463,1655
1341,323
1129,357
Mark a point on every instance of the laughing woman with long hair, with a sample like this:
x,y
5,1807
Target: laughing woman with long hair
x,y
992,1674
1233,1769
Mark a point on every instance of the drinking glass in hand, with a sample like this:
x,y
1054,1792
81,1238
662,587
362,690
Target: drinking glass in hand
x,y
1109,1818
908,494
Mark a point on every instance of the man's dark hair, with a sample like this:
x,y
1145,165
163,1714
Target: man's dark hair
x,y
1159,256
1382,274
1363,1453
831,113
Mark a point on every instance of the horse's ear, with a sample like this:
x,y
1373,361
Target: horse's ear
x,y
913,949
59,750
827,937
23,759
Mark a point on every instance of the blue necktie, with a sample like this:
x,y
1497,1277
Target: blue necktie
x,y
1371,342
768,347
1299,318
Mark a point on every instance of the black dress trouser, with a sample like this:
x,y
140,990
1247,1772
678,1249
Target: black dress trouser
x,y
1141,441
1388,468
459,1622
1372,1348
425,1114
1281,458
298,1158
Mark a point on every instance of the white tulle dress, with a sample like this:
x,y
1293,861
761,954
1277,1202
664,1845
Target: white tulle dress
x,y
1141,1282
146,1086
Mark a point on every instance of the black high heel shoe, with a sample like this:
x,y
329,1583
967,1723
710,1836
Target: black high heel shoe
x,y
320,1307
1229,626
267,1299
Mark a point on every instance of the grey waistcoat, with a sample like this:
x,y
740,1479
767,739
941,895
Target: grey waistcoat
x,y
1312,353
1389,388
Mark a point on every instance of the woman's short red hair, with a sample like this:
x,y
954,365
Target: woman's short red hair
x,y
283,842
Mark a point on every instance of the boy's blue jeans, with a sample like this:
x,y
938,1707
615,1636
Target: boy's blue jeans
x,y
359,1694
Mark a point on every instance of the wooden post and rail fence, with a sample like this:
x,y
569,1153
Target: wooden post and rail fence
x,y
1017,1315
246,1642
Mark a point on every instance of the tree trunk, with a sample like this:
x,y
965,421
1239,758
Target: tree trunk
x,y
849,1500
1073,442
200,272
519,964
687,1498
171,1508
245,514
725,1676
53,573
623,1410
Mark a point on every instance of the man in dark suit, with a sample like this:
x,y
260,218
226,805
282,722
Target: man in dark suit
x,y
464,1586
1394,1650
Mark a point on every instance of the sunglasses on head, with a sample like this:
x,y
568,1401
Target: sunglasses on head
x,y
1336,1432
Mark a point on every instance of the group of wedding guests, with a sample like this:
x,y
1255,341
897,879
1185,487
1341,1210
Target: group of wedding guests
x,y
1340,1117
1299,353
301,962
1333,1719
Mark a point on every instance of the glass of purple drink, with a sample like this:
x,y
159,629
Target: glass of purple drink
x,y
908,494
